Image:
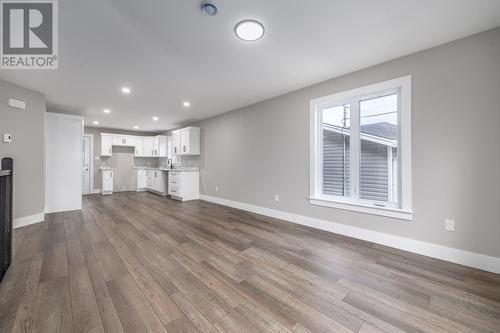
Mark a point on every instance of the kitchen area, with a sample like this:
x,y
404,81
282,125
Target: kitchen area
x,y
164,164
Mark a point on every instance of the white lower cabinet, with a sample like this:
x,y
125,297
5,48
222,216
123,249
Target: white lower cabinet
x,y
107,181
159,182
181,185
151,180
140,179
184,185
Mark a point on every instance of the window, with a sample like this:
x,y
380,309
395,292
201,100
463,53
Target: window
x,y
361,149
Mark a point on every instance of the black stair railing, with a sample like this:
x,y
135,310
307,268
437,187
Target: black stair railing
x,y
6,185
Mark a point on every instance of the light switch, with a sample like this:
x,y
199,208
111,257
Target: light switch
x,y
449,225
7,138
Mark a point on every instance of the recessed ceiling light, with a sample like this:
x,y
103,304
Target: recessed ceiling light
x,y
126,90
95,122
156,118
186,104
106,111
249,30
136,127
208,8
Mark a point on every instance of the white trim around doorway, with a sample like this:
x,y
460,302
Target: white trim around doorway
x,y
91,188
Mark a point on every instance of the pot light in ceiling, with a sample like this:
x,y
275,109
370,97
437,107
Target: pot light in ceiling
x,y
249,30
156,118
186,104
106,111
136,127
95,122
126,90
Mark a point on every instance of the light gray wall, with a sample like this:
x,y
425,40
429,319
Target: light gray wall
x,y
263,149
122,160
27,148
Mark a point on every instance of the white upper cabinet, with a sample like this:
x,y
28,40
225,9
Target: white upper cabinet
x,y
162,144
176,142
186,141
148,146
170,151
144,146
106,144
139,146
156,146
123,140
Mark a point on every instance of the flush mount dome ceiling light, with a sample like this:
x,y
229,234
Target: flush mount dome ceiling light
x,y
249,30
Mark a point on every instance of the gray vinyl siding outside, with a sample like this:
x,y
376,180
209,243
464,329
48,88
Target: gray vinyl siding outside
x,y
335,170
374,171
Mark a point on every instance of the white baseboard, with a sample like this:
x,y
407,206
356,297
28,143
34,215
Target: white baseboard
x,y
99,191
27,220
466,258
124,190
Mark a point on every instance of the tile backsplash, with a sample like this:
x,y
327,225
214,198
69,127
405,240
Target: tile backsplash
x,y
146,161
183,161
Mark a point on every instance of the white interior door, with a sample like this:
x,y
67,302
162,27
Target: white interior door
x,y
86,165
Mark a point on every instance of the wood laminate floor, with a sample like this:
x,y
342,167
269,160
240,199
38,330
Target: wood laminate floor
x,y
137,262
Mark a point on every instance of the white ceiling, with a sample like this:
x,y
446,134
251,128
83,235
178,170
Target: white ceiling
x,y
168,52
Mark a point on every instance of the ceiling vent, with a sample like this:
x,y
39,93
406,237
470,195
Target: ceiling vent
x,y
208,8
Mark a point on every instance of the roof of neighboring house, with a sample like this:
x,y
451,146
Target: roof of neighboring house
x,y
383,130
381,133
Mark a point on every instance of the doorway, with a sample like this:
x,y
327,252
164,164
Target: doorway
x,y
87,169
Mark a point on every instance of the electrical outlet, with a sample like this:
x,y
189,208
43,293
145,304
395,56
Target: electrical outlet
x,y
449,225
276,198
216,188
7,138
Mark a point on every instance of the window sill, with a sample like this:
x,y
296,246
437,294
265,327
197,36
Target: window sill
x,y
362,208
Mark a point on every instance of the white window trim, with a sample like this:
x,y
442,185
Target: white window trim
x,y
315,174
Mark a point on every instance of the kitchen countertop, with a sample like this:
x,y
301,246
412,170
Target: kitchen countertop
x,y
146,168
179,169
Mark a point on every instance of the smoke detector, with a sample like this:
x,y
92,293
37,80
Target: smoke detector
x,y
209,8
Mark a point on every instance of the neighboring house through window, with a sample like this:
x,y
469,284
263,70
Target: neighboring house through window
x,y
361,149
